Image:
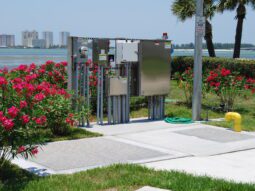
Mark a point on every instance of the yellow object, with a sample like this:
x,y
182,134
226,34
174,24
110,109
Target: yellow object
x,y
236,117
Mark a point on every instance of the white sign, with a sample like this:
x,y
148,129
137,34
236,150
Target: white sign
x,y
200,26
102,57
168,45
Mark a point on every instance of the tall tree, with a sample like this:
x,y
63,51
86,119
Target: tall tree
x,y
185,9
240,7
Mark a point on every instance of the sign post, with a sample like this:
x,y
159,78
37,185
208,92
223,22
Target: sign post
x,y
197,81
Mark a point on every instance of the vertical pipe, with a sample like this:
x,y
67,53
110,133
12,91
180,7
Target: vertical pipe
x,y
102,95
76,86
109,109
149,109
152,107
123,109
128,91
156,107
119,109
87,87
82,86
163,109
197,82
114,109
98,93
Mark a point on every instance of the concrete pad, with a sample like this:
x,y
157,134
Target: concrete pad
x,y
215,134
93,152
236,166
149,188
173,139
135,126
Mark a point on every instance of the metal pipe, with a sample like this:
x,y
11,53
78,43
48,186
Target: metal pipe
x,y
102,95
128,91
87,87
123,109
119,109
163,107
197,83
109,109
113,109
98,93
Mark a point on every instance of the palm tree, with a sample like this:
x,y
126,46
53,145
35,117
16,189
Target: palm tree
x,y
185,9
240,6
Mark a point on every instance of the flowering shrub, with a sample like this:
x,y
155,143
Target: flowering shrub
x,y
32,98
185,82
225,84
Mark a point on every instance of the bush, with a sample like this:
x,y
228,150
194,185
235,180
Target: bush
x,y
32,98
185,82
225,84
244,67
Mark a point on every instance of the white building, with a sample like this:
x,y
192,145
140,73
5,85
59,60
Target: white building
x,y
7,40
28,37
39,43
63,36
48,37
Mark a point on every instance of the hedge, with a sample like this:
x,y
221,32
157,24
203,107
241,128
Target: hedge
x,y
245,67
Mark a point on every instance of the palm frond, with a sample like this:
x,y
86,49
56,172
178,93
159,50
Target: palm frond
x,y
183,9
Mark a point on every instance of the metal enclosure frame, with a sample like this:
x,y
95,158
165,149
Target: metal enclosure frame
x,y
149,71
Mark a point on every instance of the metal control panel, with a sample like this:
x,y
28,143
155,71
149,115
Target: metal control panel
x,y
119,69
154,68
116,86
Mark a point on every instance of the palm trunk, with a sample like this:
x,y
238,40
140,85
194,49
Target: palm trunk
x,y
208,39
241,11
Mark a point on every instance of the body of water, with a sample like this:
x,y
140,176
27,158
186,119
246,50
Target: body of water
x,y
15,57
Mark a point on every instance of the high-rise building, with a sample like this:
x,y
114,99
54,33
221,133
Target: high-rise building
x,y
28,37
7,40
48,37
63,36
39,43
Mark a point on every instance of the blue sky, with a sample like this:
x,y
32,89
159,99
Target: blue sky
x,y
113,18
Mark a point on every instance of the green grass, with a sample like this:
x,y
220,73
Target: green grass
x,y
75,133
114,178
244,105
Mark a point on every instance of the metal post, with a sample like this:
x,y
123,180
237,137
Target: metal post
x,y
114,109
109,109
87,87
102,95
197,83
123,98
83,89
128,90
76,86
98,93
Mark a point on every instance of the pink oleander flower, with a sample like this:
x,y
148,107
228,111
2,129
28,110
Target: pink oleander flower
x,y
49,62
64,63
22,104
13,111
41,120
34,151
16,80
21,149
22,67
25,119
30,87
3,81
7,124
39,97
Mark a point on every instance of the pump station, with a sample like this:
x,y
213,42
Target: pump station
x,y
125,68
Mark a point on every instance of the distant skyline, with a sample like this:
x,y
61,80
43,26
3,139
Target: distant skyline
x,y
113,18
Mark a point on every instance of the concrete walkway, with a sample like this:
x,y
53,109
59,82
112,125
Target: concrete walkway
x,y
194,148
